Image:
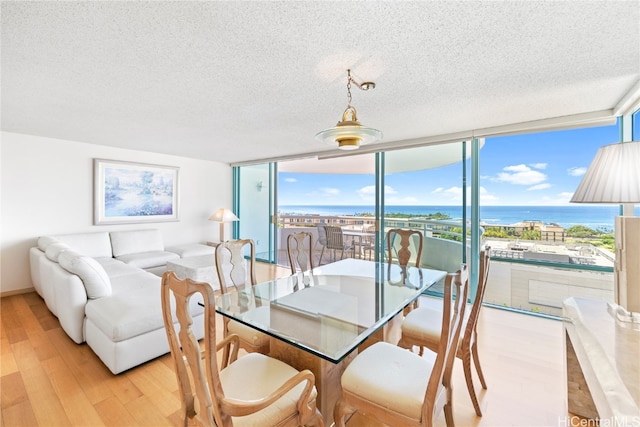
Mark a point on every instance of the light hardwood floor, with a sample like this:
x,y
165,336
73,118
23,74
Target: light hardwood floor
x,y
48,380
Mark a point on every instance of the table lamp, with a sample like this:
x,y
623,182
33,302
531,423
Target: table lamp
x,y
614,177
223,215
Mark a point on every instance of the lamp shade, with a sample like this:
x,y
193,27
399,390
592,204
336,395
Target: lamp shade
x,y
223,215
613,176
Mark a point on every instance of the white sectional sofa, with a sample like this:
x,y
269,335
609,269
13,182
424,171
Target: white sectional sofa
x,y
104,288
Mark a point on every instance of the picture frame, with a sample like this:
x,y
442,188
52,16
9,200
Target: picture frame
x,y
128,192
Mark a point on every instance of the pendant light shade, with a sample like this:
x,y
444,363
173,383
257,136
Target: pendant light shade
x,y
349,134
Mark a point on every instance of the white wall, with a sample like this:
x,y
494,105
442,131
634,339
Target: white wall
x,y
47,188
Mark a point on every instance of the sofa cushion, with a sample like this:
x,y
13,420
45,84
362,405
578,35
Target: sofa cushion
x,y
116,268
148,259
93,245
54,249
135,241
133,309
96,282
193,249
45,241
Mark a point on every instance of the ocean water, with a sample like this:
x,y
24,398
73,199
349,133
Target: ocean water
x,y
598,217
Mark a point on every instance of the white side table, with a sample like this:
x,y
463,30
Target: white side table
x,y
199,268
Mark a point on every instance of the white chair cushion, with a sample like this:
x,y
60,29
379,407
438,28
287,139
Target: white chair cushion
x,y
391,377
265,375
54,249
423,323
95,279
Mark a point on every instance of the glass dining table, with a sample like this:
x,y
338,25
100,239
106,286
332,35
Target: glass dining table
x,y
319,320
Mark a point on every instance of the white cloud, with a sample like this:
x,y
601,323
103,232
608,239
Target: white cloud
x,y
328,191
521,175
577,171
438,190
538,165
290,180
543,186
485,197
454,193
370,190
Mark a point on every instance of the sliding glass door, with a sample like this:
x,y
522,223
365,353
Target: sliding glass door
x,y
255,198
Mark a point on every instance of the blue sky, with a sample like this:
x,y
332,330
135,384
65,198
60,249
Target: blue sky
x,y
532,169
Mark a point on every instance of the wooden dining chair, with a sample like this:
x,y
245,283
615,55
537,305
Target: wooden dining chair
x,y
398,387
300,251
236,272
335,241
254,390
399,244
421,328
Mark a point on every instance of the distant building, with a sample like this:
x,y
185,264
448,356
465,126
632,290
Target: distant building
x,y
549,232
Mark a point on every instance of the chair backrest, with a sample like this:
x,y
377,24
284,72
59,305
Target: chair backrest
x,y
233,269
454,304
402,246
203,384
300,251
322,234
335,238
472,319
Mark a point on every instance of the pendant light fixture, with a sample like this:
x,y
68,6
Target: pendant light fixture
x,y
349,134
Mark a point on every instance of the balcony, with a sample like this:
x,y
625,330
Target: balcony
x,y
532,276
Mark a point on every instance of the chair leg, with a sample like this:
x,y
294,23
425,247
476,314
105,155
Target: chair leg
x,y
448,408
341,410
316,421
476,362
321,253
466,364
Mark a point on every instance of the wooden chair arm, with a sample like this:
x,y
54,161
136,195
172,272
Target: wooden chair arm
x,y
239,408
231,345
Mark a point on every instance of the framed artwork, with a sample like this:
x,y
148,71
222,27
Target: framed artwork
x,y
126,192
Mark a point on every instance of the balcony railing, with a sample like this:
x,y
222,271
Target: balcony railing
x,y
527,276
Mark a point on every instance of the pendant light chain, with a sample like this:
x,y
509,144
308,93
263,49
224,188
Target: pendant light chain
x,y
349,88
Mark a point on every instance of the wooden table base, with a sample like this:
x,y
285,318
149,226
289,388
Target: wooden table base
x,y
328,374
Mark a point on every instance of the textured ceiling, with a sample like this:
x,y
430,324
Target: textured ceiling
x,y
237,81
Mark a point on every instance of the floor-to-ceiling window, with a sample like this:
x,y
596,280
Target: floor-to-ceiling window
x,y
544,249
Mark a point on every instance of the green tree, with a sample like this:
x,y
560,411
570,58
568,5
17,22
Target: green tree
x,y
581,231
531,235
495,232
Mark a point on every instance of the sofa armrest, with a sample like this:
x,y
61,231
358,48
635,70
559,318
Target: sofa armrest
x,y
70,294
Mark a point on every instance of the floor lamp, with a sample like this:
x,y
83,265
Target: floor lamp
x,y
614,177
223,215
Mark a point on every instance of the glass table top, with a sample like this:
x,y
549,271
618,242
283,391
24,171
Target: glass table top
x,y
332,309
